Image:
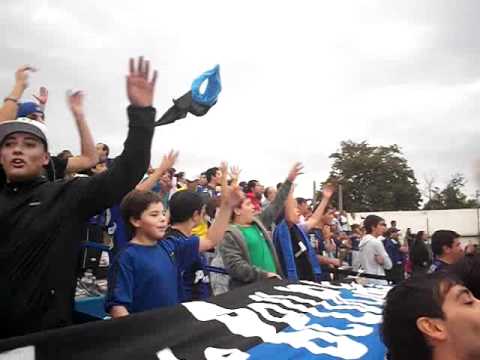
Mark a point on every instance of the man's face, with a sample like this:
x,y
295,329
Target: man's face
x,y
203,180
303,207
462,321
258,189
101,152
246,211
379,229
217,178
166,181
455,252
23,156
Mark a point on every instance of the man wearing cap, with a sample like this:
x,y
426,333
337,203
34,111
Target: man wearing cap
x,y
40,221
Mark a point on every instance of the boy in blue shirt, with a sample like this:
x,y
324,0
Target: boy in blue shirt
x,y
147,274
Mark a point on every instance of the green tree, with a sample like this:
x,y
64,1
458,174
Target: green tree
x,y
374,178
451,197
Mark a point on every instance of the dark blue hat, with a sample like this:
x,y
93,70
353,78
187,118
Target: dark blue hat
x,y
27,108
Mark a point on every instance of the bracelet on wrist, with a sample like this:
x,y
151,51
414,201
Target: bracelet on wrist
x,y
11,99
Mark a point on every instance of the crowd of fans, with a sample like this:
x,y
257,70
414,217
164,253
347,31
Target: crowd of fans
x,y
175,237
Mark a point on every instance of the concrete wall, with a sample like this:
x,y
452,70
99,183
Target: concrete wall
x,y
464,221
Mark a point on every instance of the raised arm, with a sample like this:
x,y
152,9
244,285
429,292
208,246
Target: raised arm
x,y
167,163
103,190
314,220
8,111
88,157
269,215
231,196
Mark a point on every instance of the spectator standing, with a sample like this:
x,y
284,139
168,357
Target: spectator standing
x,y
373,257
419,254
447,248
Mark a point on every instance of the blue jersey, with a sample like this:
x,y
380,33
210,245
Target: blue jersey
x,y
195,279
148,277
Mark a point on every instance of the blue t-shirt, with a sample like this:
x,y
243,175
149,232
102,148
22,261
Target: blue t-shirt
x,y
148,277
195,278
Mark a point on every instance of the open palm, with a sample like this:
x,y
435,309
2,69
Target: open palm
x,y
140,88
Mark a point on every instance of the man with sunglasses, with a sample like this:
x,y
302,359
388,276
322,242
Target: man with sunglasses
x,y
374,259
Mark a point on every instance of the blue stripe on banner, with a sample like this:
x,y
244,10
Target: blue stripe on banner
x,y
344,326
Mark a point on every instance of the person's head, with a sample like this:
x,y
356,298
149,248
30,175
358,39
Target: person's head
x,y
214,176
30,110
393,223
302,205
356,229
180,177
467,270
186,206
23,149
202,181
144,214
243,214
166,180
192,184
279,185
99,168
428,315
65,154
270,193
255,187
446,245
421,236
102,151
374,225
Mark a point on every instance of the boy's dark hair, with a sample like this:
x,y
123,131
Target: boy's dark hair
x,y
105,148
301,200
183,205
210,173
467,271
441,238
279,185
135,203
370,222
251,185
408,301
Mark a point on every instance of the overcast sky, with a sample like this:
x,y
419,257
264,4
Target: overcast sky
x,y
298,77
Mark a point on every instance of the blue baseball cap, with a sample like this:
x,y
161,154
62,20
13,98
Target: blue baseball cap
x,y
27,108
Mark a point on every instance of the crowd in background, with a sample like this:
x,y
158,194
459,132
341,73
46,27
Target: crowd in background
x,y
172,236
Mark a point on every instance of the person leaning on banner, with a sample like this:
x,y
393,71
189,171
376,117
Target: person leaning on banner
x,y
247,251
41,220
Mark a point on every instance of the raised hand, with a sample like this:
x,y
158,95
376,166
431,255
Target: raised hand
x,y
75,101
295,171
168,161
42,97
235,174
231,196
139,88
22,74
328,190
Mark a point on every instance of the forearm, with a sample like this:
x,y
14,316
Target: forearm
x,y
314,220
9,109
149,182
87,145
217,230
88,157
103,190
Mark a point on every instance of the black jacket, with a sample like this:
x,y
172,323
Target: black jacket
x,y
40,230
420,256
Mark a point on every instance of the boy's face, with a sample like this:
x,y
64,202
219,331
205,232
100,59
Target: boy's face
x,y
152,222
460,327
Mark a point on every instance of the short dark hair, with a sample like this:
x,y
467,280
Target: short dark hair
x,y
279,185
301,200
370,222
405,303
251,185
210,173
441,238
467,271
135,203
183,205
